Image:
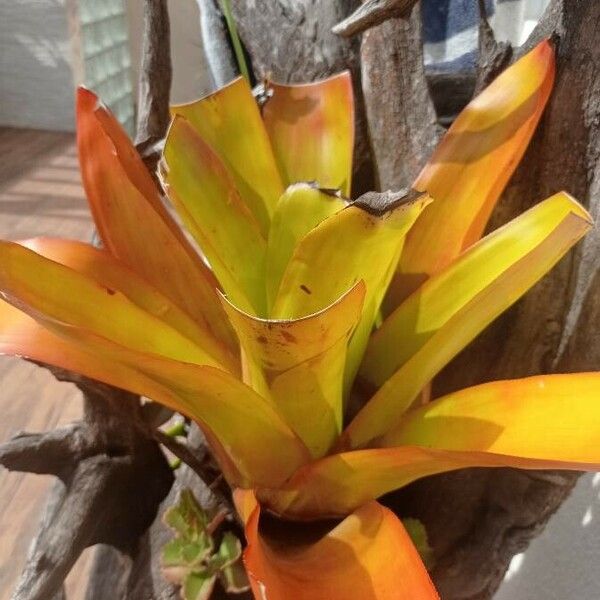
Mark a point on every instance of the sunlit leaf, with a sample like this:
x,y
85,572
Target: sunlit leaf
x,y
43,287
340,483
112,274
431,306
230,122
457,304
368,556
300,365
543,422
122,198
360,242
207,200
301,208
242,427
553,418
311,127
472,165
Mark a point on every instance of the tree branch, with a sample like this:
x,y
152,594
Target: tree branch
x,y
494,56
155,83
215,42
372,13
43,453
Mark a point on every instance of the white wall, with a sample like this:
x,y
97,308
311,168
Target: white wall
x,y
36,82
563,563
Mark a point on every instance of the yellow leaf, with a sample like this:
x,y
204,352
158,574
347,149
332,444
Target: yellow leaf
x,y
230,122
311,127
300,364
360,242
46,289
301,208
208,202
471,167
112,274
453,307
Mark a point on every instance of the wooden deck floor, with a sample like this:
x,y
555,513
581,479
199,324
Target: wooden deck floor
x,y
40,194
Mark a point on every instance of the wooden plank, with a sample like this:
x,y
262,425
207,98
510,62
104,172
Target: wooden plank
x,y
40,194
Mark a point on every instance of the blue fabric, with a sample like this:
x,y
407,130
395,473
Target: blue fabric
x,y
450,30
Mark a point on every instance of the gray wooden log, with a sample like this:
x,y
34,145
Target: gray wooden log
x,y
153,115
292,41
101,463
401,116
215,43
139,577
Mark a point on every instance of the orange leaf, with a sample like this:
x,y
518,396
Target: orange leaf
x,y
472,165
368,556
100,266
242,427
311,127
63,297
543,422
122,197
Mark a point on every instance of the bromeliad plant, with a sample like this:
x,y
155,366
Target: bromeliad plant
x,y
282,322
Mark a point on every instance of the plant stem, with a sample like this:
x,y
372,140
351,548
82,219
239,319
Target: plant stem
x,y
235,39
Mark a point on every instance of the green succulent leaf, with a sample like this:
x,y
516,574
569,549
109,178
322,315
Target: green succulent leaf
x,y
191,523
190,559
198,586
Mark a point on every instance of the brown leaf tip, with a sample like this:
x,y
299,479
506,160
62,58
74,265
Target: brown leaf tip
x,y
380,203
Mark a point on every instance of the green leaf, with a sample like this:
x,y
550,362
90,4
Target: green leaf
x,y
198,586
190,559
230,550
191,524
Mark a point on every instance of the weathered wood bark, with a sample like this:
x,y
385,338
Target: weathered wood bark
x,y
215,40
371,13
479,519
401,116
153,115
292,41
101,464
